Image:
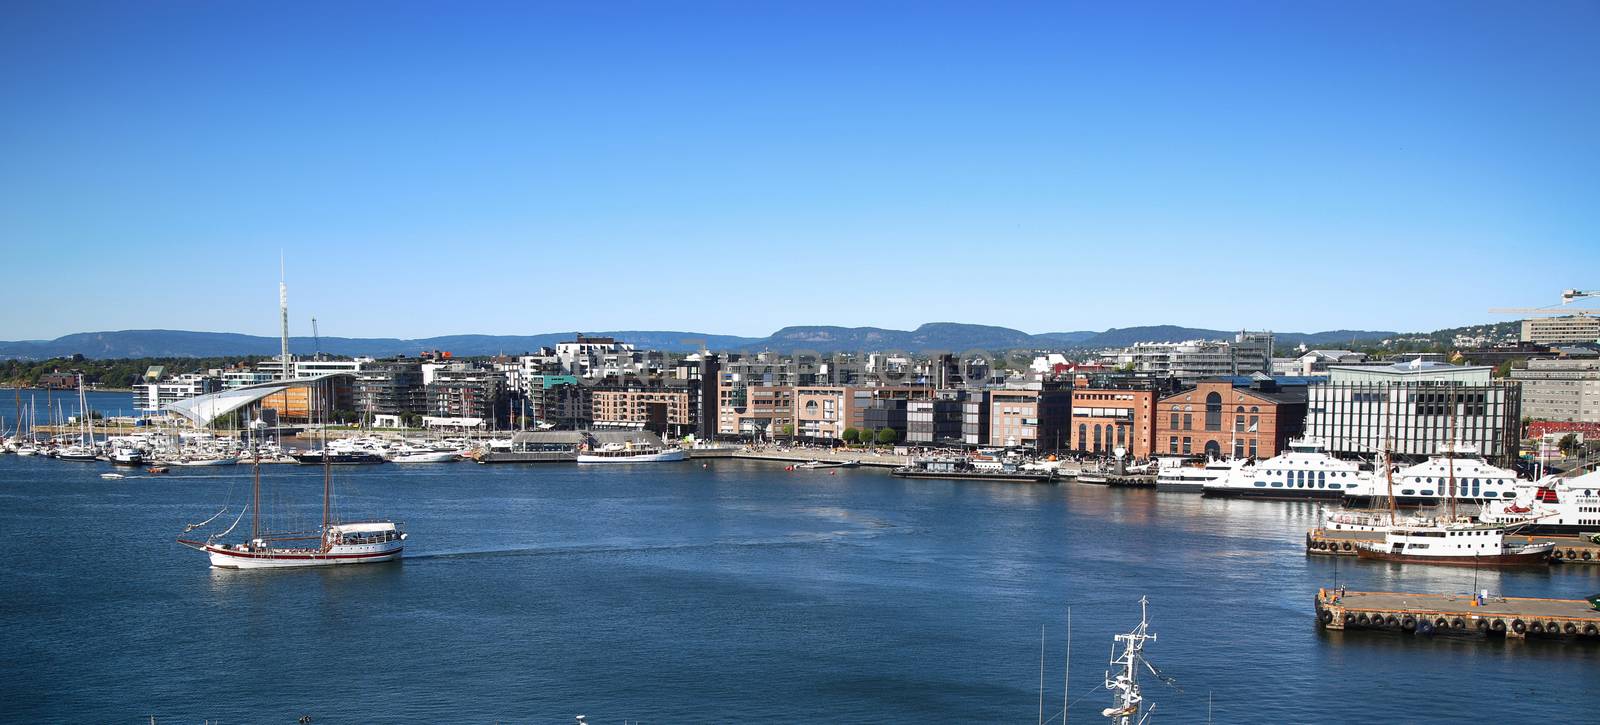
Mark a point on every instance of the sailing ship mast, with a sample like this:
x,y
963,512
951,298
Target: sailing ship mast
x,y
1450,460
1124,687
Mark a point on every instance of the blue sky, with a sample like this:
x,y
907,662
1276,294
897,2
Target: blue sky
x,y
439,168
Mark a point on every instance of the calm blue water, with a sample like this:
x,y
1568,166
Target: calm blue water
x,y
673,593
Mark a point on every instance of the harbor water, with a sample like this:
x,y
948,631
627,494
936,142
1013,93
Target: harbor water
x,y
735,592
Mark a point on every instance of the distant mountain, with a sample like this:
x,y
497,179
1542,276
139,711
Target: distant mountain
x,y
934,336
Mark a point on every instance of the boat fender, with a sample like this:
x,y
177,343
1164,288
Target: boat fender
x,y
1518,626
1363,620
1441,623
1590,630
1349,618
1391,621
1587,556
1326,616
1408,624
1346,546
1557,554
1570,628
1572,554
1536,628
1425,627
1458,623
1483,625
1499,625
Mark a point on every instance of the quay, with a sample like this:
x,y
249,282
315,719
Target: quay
x,y
1569,549
1512,617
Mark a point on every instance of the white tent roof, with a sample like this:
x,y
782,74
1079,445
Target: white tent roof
x,y
202,409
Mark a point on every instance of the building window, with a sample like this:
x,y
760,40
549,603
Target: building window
x,y
1188,421
1174,421
1173,444
1186,446
1213,411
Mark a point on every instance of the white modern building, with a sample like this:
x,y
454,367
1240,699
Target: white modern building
x,y
1247,353
149,397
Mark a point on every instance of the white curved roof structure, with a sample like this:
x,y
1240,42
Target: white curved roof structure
x,y
202,409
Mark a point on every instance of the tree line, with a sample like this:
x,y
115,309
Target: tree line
x,y
115,373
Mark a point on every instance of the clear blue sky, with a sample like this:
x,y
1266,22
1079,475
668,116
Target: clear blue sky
x,y
438,168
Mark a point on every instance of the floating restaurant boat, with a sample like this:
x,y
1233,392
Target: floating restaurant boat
x,y
1459,474
966,468
628,453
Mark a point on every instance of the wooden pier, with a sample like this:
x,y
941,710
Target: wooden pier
x,y
1512,617
1569,549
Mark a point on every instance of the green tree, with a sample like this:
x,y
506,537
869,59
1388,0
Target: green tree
x,y
786,430
1504,369
888,435
851,435
1569,443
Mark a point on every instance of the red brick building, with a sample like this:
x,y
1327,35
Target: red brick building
x,y
1219,419
1104,419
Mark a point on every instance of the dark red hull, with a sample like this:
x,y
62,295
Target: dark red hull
x,y
1540,558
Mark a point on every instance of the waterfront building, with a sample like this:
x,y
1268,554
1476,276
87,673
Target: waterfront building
x,y
936,420
1030,417
1416,408
1560,390
1115,415
975,418
1561,330
391,388
822,413
150,396
1222,418
662,409
886,414
1315,362
464,391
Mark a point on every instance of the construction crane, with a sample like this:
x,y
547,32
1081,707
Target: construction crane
x,y
316,340
1567,298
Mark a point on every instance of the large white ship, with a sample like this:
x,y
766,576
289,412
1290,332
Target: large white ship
x,y
1458,469
1305,471
1551,506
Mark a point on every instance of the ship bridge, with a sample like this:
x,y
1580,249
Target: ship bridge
x,y
203,409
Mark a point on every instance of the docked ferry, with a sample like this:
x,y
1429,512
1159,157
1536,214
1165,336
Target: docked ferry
x,y
1305,471
1551,506
1458,468
957,468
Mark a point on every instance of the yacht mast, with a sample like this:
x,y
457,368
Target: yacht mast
x,y
255,493
1124,687
283,311
1450,461
327,475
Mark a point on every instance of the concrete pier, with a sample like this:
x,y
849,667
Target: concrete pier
x,y
1512,617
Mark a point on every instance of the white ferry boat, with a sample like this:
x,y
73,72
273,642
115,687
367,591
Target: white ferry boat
x,y
627,453
1194,479
1551,506
1305,471
1460,467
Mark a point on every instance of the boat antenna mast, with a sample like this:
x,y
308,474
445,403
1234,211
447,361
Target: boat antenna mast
x,y
1124,686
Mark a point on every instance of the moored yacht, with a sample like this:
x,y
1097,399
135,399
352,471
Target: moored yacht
x,y
1304,471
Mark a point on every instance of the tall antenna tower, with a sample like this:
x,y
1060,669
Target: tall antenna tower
x,y
283,309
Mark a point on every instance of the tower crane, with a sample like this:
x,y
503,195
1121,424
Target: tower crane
x,y
1567,298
